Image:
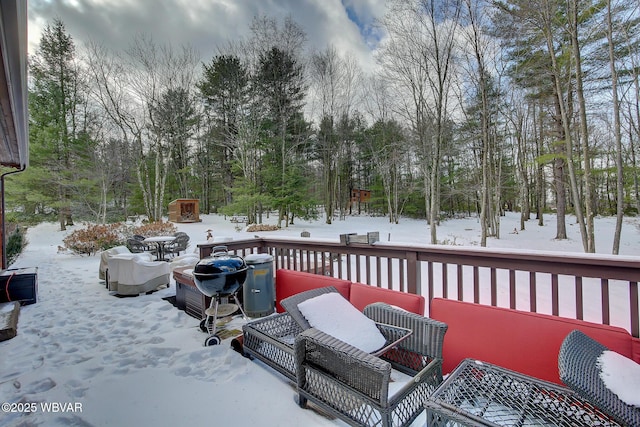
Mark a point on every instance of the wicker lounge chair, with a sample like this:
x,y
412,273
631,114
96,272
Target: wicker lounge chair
x,y
357,386
392,333
579,369
271,339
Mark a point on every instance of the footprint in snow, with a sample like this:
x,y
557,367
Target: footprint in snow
x,y
156,340
76,388
40,386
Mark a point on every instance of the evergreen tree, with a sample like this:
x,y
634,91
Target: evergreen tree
x,y
280,85
60,146
224,87
175,120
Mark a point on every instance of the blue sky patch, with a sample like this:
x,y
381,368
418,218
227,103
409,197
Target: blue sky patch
x,y
369,33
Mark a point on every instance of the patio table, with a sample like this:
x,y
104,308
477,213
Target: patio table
x,y
161,243
481,394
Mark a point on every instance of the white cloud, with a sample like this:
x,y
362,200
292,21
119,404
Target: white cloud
x,y
205,24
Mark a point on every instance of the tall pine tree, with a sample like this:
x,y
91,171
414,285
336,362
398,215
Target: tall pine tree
x,y
280,84
60,146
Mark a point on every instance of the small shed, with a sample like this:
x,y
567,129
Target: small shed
x,y
360,195
184,210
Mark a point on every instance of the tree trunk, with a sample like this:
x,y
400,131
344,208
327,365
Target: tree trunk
x,y
586,223
618,136
540,187
434,194
522,161
558,177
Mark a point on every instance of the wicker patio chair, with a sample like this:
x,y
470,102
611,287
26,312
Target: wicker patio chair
x,y
393,334
355,386
137,246
580,370
179,244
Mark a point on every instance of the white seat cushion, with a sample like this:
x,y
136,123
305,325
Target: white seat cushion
x,y
334,315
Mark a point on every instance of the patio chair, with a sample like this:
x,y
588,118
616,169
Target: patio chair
x,y
137,246
579,366
366,390
147,247
179,244
139,275
118,262
104,260
391,334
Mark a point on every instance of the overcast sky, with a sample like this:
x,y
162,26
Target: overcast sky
x,y
208,24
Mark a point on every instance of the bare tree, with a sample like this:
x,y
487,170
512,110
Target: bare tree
x,y
154,70
333,80
586,221
617,129
268,33
129,90
419,57
122,122
479,75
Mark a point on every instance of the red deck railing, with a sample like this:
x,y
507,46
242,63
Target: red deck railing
x,y
597,288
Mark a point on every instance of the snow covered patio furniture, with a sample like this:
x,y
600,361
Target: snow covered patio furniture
x,y
114,263
329,311
416,361
271,339
482,394
136,275
366,390
136,246
180,244
582,364
104,259
351,383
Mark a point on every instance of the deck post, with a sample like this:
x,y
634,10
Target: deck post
x,y
414,283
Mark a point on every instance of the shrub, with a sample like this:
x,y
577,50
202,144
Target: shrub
x,y
100,237
262,227
15,242
158,228
94,238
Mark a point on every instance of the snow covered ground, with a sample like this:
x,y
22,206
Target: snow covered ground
x,y
140,361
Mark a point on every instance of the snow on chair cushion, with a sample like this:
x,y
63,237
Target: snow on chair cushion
x,y
334,315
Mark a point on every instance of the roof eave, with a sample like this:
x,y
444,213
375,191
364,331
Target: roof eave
x,y
14,136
